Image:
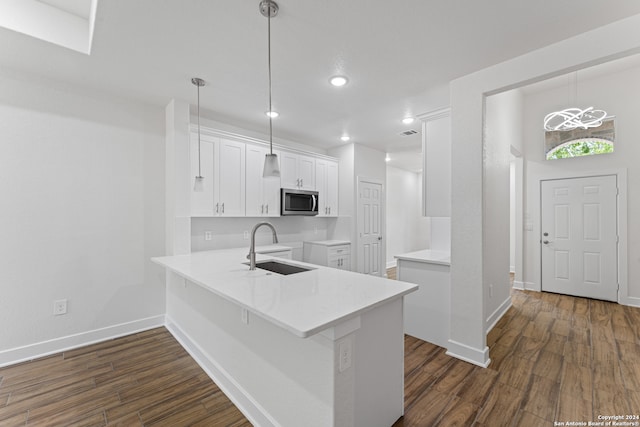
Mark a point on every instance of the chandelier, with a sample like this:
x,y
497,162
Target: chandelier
x,y
574,118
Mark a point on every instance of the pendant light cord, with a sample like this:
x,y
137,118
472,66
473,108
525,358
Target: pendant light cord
x,y
269,65
199,167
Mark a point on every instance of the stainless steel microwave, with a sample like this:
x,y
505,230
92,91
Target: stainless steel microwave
x,y
298,202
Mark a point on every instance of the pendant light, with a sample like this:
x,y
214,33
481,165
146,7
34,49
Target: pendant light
x,y
198,185
269,9
574,118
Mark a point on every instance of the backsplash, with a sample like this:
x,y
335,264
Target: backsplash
x,y
229,232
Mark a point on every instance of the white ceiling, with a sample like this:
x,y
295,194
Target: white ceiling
x,y
394,54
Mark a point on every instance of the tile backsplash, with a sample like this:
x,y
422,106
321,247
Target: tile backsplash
x,y
229,232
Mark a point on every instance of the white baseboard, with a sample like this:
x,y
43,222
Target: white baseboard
x,y
469,354
518,285
391,264
630,301
254,412
57,345
512,269
498,313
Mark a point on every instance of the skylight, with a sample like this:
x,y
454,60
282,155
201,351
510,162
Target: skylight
x,y
66,23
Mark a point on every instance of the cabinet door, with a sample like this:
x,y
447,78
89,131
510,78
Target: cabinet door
x,y
254,203
231,182
289,170
334,263
341,263
332,188
202,203
307,172
321,187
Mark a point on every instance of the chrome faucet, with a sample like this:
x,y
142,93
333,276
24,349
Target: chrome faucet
x,y
252,249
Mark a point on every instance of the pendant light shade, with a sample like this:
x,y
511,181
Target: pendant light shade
x,y
271,166
198,184
269,9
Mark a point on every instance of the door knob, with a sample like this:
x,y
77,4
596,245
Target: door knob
x,y
379,237
546,242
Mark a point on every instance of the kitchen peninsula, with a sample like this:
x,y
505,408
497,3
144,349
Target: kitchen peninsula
x,y
322,347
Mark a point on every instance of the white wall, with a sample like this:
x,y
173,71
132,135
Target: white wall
x,y
82,184
468,257
407,229
512,217
612,94
503,127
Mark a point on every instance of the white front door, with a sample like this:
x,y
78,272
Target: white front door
x,y
370,211
579,237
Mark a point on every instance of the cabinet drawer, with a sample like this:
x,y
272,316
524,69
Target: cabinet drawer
x,y
339,250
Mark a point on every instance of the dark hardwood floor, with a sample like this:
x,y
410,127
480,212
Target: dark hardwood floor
x,y
554,358
146,379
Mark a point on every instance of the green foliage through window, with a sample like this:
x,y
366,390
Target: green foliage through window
x,y
581,147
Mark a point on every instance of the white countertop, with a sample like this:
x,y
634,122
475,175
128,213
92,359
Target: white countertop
x,y
427,256
304,303
328,242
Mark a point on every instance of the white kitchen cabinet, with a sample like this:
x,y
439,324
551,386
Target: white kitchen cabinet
x,y
436,163
327,186
329,253
262,194
297,171
223,169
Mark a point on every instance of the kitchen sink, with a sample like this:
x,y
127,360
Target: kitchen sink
x,y
280,267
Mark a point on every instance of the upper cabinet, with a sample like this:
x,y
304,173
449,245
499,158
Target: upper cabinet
x,y
223,169
230,185
262,194
297,171
233,184
327,187
436,163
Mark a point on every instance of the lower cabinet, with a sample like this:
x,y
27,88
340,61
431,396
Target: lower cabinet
x,y
329,253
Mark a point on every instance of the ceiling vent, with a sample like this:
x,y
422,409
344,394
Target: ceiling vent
x,y
408,132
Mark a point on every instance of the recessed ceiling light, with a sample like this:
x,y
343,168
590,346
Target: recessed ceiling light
x,y
338,81
387,158
272,114
408,120
345,138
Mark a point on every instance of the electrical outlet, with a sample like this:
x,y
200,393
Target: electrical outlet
x,y
491,290
244,316
345,355
245,234
207,235
60,307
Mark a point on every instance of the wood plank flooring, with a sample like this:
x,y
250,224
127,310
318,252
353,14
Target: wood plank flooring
x,y
145,379
554,358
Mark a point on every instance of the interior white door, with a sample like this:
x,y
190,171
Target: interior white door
x,y
579,237
370,212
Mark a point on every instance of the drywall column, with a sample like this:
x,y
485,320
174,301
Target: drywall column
x,y
467,339
178,185
468,260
